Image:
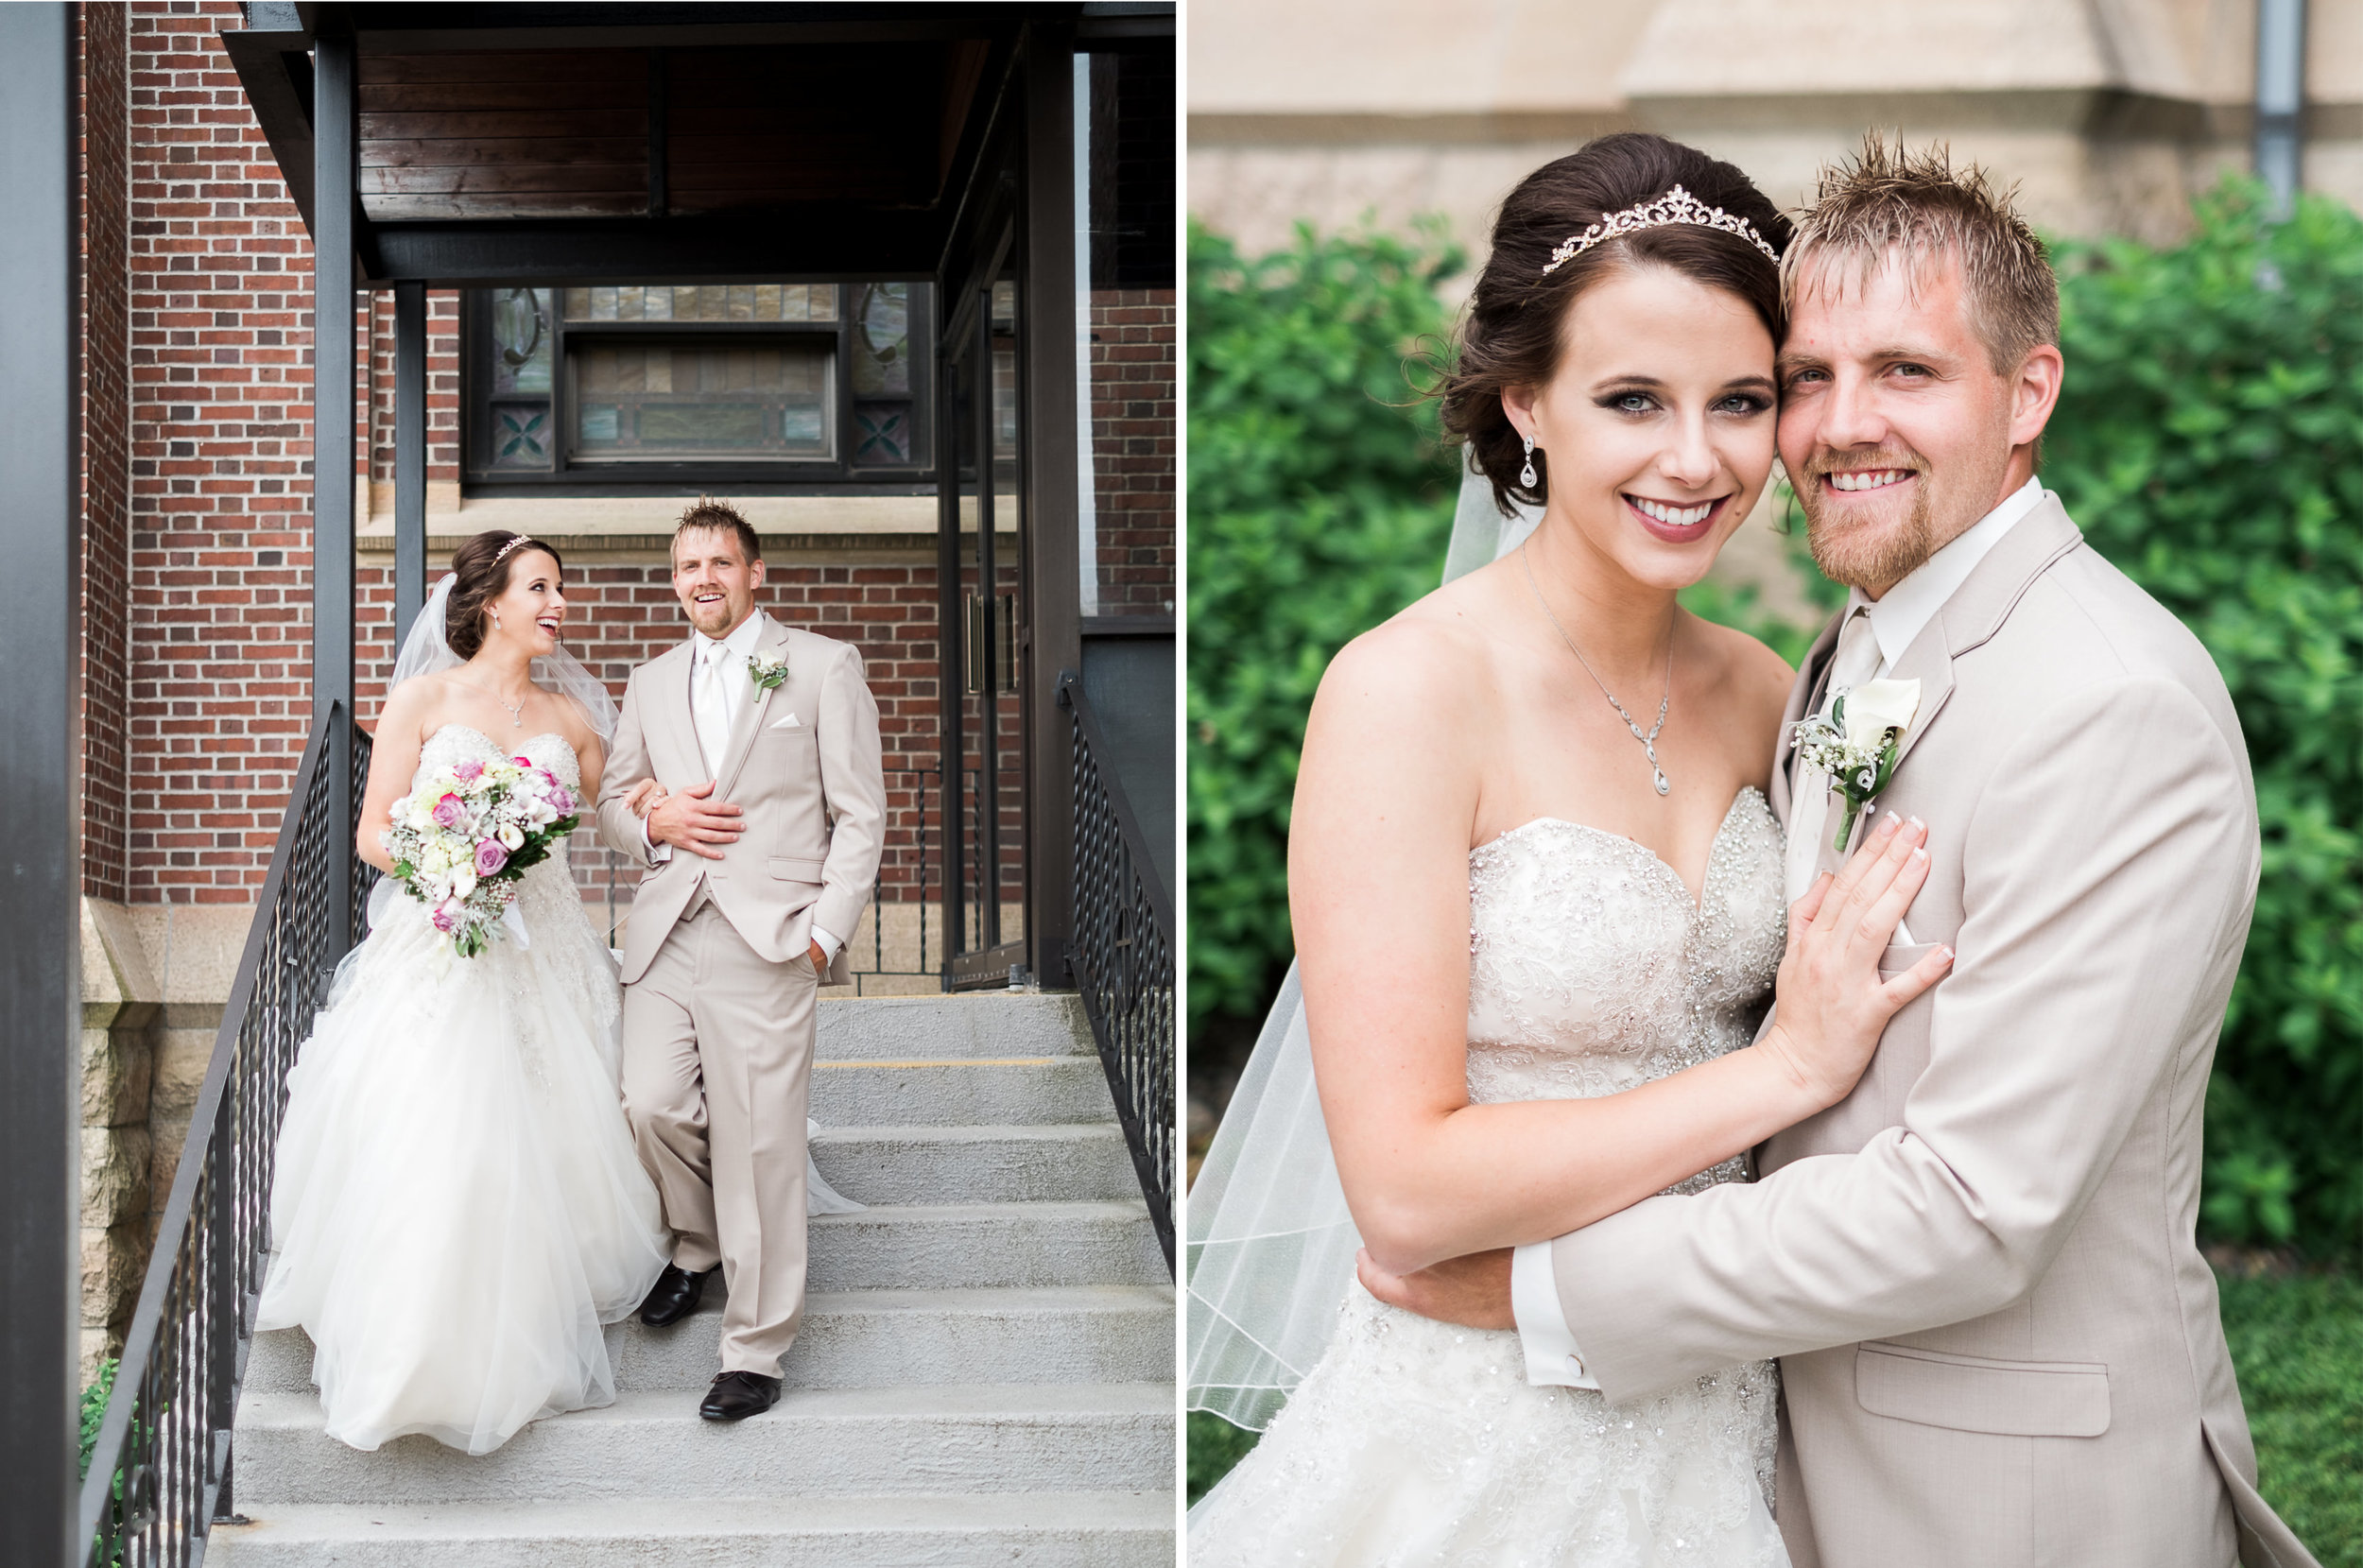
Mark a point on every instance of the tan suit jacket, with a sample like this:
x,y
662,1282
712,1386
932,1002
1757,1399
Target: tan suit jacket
x,y
813,793
1998,1341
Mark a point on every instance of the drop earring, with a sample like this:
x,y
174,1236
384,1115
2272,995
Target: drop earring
x,y
1527,475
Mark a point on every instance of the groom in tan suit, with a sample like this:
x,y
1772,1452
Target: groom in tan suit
x,y
762,847
1999,1344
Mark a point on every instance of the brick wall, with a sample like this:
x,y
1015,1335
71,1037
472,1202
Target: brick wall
x,y
221,393
106,436
1134,447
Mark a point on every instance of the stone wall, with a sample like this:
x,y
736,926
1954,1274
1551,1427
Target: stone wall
x,y
2109,114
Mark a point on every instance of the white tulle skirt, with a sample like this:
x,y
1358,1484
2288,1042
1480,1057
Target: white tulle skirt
x,y
457,1206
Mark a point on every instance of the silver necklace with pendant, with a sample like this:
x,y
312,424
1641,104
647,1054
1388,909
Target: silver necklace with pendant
x,y
1648,738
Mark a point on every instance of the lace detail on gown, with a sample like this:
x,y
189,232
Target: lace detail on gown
x,y
458,1207
1414,1442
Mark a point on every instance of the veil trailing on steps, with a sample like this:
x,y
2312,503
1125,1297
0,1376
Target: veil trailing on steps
x,y
1270,1243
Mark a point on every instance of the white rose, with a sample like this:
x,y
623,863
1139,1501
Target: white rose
x,y
1877,706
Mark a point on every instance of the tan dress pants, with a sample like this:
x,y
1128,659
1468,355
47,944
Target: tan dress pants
x,y
717,1073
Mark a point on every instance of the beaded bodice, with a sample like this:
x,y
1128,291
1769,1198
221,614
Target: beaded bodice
x,y
1591,968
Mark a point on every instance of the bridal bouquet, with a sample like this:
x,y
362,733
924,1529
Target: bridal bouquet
x,y
463,836
1857,743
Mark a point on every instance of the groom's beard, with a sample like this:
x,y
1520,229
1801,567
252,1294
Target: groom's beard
x,y
1861,554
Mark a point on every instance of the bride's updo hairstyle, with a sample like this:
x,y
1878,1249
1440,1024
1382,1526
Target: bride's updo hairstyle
x,y
1514,332
482,566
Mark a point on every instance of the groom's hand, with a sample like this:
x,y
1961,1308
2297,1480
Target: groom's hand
x,y
1472,1291
689,820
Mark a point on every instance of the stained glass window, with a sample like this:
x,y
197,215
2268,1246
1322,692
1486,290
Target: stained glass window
x,y
759,399
766,383
522,352
882,373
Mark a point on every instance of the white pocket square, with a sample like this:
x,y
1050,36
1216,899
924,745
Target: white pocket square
x,y
790,722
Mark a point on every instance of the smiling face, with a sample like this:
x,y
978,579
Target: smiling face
x,y
715,580
532,609
1658,423
1895,427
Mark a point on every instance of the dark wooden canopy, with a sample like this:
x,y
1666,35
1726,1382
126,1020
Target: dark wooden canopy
x,y
546,143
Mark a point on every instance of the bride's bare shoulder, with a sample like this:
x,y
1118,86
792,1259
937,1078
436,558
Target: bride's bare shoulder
x,y
1424,670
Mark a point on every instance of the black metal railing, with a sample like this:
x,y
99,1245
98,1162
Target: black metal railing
x,y
160,1472
1122,953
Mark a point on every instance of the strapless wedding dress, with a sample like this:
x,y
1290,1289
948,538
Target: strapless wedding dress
x,y
1419,1444
457,1206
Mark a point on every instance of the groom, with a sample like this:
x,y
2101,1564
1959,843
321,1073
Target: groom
x,y
760,853
1998,1342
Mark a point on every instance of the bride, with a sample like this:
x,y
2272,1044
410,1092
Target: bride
x,y
1538,916
458,1207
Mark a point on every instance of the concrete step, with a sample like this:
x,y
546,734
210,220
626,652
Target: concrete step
x,y
914,1088
981,1023
976,1165
953,1246
1044,1529
875,1338
1116,1436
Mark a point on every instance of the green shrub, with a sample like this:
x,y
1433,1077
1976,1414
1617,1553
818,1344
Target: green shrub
x,y
2298,1343
2210,442
1320,504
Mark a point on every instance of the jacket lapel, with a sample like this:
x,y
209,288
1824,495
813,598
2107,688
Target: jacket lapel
x,y
751,714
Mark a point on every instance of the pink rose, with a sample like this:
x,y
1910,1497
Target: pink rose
x,y
490,857
523,761
446,917
450,811
468,772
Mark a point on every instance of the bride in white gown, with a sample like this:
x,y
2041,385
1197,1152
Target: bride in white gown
x,y
1536,932
457,1208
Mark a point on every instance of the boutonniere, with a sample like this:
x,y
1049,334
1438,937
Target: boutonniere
x,y
766,672
1855,742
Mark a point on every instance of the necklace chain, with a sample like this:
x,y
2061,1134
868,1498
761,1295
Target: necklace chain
x,y
516,710
1648,738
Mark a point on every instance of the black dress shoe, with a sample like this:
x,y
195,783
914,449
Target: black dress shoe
x,y
673,1297
737,1395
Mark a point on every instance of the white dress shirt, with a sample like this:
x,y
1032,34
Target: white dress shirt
x,y
1897,619
718,692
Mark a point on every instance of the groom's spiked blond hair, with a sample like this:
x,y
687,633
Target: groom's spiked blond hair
x,y
1888,200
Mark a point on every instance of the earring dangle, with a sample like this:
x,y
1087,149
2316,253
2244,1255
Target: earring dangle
x,y
1526,475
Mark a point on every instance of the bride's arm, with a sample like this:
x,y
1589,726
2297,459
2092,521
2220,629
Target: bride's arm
x,y
1378,883
393,759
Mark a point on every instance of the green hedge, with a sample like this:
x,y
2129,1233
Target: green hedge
x,y
1320,504
2210,442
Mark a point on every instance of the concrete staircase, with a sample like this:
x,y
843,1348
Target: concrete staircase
x,y
985,1372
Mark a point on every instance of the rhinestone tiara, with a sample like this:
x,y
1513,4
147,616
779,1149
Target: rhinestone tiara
x,y
1675,206
525,539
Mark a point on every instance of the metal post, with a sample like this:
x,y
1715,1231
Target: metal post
x,y
409,456
333,139
1048,553
2281,98
40,536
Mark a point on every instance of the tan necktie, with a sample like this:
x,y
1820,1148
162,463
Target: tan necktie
x,y
711,705
1857,661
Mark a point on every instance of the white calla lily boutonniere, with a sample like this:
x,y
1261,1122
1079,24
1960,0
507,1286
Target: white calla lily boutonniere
x,y
766,671
1855,742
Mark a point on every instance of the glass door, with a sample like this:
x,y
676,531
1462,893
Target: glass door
x,y
984,620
